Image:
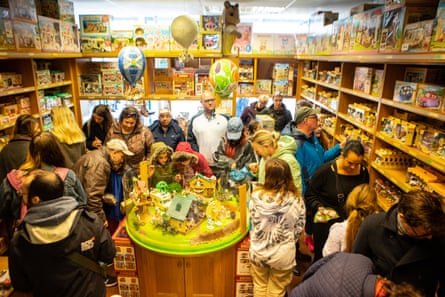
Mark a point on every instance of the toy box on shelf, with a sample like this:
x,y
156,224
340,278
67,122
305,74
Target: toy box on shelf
x,y
405,92
363,79
429,96
23,10
27,37
284,44
90,85
262,43
57,9
95,33
121,39
366,30
243,45
125,262
184,83
263,86
50,34
210,23
437,40
210,42
377,82
70,37
417,36
152,37
6,30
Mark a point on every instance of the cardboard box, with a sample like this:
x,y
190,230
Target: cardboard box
x,y
6,31
95,25
50,34
417,36
128,285
267,122
210,23
163,74
366,30
43,77
121,39
90,85
111,76
438,40
113,89
363,7
243,45
70,37
23,10
27,37
125,259
164,87
405,92
377,82
284,44
210,42
363,79
95,44
262,43
263,86
429,96
184,83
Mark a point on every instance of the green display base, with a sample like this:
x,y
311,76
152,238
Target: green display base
x,y
155,239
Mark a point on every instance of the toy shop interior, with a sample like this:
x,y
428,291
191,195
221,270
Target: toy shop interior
x,y
371,71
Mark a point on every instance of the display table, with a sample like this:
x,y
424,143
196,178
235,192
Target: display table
x,y
190,257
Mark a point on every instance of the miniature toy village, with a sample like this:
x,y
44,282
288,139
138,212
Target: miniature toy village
x,y
202,212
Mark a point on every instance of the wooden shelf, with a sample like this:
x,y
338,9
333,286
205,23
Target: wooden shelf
x,y
396,58
37,55
396,176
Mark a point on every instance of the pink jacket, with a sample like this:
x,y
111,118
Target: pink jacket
x,y
202,166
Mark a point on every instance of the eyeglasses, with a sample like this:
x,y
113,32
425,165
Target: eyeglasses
x,y
209,100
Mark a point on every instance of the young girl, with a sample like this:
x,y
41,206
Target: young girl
x,y
278,217
361,202
161,167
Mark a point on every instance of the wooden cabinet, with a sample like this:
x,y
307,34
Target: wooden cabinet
x,y
30,92
208,275
339,99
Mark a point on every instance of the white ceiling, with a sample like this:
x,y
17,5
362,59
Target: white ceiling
x,y
249,9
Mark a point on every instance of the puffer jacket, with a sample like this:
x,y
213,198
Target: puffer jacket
x,y
51,230
171,137
286,151
281,116
139,142
93,170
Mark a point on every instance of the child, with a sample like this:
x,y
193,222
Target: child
x,y
361,202
161,167
184,164
278,217
201,165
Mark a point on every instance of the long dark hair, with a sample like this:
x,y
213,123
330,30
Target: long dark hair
x,y
43,149
104,112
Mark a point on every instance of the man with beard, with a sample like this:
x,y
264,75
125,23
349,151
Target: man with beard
x,y
100,172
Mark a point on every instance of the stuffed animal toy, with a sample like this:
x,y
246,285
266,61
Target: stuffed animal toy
x,y
230,20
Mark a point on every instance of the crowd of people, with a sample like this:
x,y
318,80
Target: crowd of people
x,y
61,191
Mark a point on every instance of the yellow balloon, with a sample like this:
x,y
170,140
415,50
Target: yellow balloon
x,y
184,30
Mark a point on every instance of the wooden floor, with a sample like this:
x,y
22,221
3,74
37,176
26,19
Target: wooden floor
x,y
303,267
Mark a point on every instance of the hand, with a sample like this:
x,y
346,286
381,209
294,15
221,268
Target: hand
x,y
253,167
325,214
97,143
151,170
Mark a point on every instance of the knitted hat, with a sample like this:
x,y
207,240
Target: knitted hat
x,y
302,113
234,129
119,145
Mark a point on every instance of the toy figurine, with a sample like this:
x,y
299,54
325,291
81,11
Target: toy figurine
x,y
230,20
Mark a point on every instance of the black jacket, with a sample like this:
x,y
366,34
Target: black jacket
x,y
171,137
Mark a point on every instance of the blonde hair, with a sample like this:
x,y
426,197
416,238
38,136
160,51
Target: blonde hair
x,y
361,202
265,137
65,127
263,98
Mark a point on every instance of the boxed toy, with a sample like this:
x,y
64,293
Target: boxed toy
x,y
392,30
263,86
417,36
283,71
243,45
50,34
211,23
152,37
27,37
210,42
113,89
285,87
164,87
243,288
6,31
23,10
128,285
377,82
245,88
70,37
184,83
437,40
404,91
95,44
95,25
66,11
363,79
266,121
284,44
43,77
121,39
301,47
90,85
429,96
366,30
111,76
262,43
363,7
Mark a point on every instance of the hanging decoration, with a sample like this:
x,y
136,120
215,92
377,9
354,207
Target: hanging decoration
x,y
223,76
184,31
131,62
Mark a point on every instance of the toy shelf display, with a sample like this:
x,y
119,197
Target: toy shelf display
x,y
199,219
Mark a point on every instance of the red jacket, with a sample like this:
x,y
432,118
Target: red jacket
x,y
202,166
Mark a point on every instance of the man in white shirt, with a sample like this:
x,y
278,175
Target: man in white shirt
x,y
207,127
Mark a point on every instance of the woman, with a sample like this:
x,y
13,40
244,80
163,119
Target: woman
x,y
268,145
330,185
137,137
14,153
68,133
250,111
96,128
44,153
361,202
